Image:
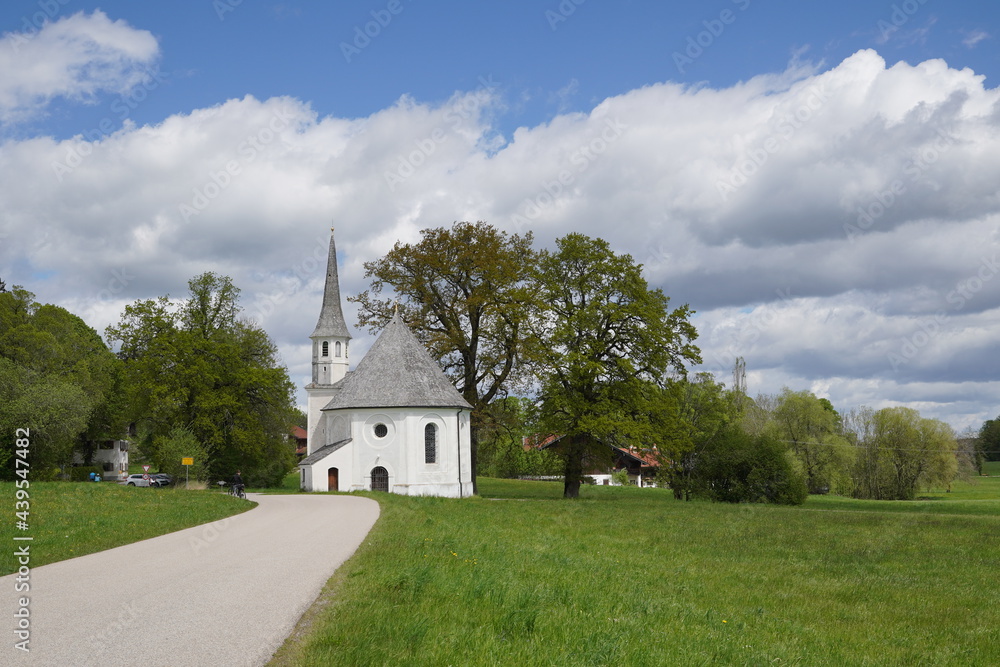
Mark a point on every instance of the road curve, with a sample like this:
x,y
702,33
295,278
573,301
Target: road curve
x,y
224,593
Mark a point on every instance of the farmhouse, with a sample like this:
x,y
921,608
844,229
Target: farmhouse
x,y
599,464
395,423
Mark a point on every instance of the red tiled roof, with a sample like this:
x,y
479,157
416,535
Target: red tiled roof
x,y
647,457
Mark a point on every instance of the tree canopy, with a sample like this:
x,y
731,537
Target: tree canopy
x,y
899,451
198,366
601,345
57,378
812,429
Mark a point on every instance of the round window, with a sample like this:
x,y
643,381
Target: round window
x,y
381,430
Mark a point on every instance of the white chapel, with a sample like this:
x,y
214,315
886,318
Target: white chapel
x,y
395,423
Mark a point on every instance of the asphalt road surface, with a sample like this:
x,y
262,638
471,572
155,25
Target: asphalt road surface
x,y
224,593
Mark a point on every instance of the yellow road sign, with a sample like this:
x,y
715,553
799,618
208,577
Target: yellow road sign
x,y
187,461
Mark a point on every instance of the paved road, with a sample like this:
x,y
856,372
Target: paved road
x,y
225,593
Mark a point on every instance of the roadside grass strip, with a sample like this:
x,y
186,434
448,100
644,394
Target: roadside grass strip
x,y
70,519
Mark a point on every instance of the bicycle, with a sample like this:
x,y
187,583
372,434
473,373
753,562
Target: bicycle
x,y
237,490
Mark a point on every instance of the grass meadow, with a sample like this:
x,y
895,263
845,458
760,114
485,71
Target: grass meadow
x,y
621,576
631,576
70,519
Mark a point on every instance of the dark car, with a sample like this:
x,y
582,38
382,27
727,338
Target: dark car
x,y
160,479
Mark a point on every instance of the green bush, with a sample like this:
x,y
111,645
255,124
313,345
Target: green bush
x,y
620,477
82,473
739,468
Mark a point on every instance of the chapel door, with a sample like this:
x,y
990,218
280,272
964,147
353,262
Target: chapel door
x,y
332,476
380,479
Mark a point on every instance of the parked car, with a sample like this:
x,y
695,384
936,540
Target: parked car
x,y
161,479
137,480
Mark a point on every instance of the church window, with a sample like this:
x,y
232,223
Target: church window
x,y
337,348
326,348
381,430
430,443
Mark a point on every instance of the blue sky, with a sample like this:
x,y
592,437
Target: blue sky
x,y
818,180
548,57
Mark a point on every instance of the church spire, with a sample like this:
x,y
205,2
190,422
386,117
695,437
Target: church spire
x,y
331,317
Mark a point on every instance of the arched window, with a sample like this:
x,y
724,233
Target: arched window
x,y
326,348
380,479
430,444
337,348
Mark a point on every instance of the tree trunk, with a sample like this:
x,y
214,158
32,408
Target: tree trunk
x,y
574,467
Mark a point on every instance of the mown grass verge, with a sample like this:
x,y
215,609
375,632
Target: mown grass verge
x,y
70,519
630,576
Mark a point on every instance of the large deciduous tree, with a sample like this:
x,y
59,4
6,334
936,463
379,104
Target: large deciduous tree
x,y
465,292
198,366
899,451
58,379
602,344
812,430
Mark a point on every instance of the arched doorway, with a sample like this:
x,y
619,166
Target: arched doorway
x,y
380,479
332,479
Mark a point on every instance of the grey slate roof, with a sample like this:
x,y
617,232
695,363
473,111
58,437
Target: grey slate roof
x,y
331,317
323,451
397,372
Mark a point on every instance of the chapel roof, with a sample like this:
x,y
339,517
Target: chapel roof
x,y
331,317
396,372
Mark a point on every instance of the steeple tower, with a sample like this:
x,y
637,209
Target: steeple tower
x,y
330,362
330,337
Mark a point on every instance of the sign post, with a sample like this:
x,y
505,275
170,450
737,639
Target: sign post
x,y
187,462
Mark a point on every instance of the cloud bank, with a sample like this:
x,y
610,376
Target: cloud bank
x,y
838,228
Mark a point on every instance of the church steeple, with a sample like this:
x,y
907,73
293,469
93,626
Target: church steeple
x,y
331,317
330,337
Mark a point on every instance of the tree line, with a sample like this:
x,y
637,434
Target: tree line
x,y
569,341
574,342
190,378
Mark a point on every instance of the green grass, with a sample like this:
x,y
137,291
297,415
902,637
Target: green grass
x,y
70,519
631,576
